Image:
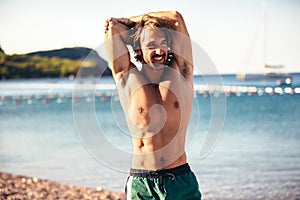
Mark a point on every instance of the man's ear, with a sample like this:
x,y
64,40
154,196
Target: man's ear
x,y
139,55
138,52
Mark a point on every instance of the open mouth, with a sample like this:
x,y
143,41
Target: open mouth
x,y
158,58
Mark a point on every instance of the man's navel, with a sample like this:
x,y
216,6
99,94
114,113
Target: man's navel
x,y
176,104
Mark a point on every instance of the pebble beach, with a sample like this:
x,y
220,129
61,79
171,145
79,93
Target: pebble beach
x,y
23,187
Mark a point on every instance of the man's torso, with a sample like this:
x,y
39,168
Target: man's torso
x,y
157,115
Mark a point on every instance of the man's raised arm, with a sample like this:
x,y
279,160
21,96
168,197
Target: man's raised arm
x,y
181,44
173,16
117,35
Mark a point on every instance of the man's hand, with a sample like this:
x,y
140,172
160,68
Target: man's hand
x,y
114,21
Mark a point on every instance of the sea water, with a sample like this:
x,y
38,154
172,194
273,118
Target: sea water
x,y
256,156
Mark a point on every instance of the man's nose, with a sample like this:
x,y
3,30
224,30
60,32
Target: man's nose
x,y
158,51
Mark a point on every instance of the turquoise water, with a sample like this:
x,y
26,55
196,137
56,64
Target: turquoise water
x,y
256,157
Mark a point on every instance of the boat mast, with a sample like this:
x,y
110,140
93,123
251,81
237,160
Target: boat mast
x,y
259,41
264,35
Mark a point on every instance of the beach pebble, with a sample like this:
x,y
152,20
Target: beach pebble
x,y
22,187
99,188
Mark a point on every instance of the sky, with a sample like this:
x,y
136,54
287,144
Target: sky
x,y
229,31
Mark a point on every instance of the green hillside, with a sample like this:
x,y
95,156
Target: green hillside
x,y
55,63
70,53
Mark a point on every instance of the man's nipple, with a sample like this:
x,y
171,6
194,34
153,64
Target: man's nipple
x,y
141,111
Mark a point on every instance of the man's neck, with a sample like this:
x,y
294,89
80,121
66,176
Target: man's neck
x,y
152,75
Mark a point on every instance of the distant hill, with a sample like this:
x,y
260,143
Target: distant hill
x,y
80,61
75,53
79,53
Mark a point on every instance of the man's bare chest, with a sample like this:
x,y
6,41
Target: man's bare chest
x,y
152,104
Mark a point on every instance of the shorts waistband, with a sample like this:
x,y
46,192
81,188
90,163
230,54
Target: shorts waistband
x,y
160,173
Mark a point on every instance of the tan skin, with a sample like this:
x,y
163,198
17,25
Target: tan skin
x,y
157,101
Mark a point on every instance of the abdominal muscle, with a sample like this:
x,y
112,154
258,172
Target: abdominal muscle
x,y
156,153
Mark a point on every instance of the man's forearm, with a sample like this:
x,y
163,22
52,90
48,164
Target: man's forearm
x,y
120,26
173,17
126,22
168,15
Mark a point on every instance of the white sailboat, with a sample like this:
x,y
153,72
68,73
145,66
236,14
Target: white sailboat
x,y
269,72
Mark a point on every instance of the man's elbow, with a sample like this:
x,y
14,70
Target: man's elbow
x,y
179,22
177,15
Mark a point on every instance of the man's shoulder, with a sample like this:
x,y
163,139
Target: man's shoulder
x,y
124,74
125,79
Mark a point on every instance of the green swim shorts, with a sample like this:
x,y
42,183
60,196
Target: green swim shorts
x,y
176,183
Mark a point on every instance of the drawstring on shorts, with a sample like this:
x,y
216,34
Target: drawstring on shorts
x,y
160,174
160,180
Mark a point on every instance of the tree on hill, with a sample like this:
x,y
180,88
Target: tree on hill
x,y
1,50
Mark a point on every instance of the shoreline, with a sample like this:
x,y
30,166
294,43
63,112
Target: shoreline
x,y
25,187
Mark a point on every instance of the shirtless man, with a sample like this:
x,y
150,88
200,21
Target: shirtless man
x,y
156,99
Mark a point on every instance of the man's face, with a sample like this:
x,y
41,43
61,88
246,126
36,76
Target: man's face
x,y
154,47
